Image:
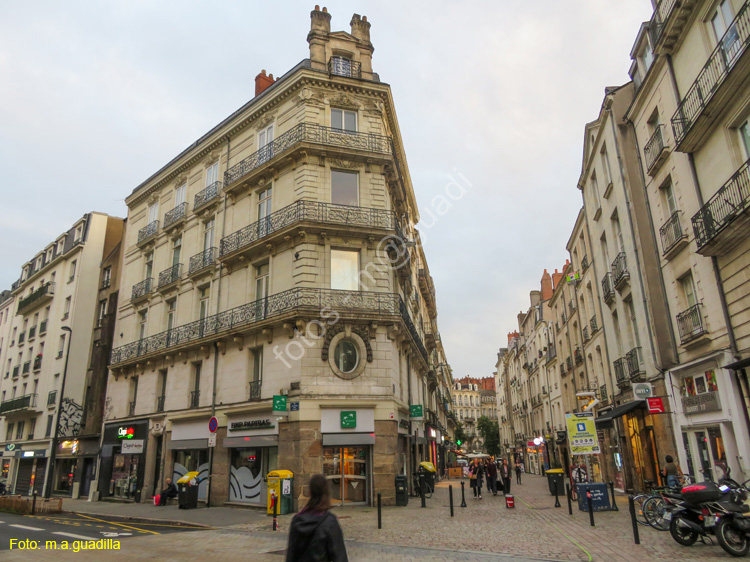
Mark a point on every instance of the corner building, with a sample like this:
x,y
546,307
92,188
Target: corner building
x,y
277,255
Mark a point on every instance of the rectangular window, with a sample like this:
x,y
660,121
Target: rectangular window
x,y
265,144
148,265
72,272
179,195
153,212
48,431
100,314
688,289
32,427
212,174
171,313
176,250
745,138
142,322
19,430
66,309
61,346
9,431
256,373
203,299
668,192
344,188
208,234
264,212
345,270
106,277
344,120
605,166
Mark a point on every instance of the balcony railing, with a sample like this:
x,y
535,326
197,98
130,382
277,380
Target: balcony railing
x,y
312,211
160,403
594,325
608,289
578,354
46,290
310,133
690,324
199,262
339,66
671,233
721,61
661,15
654,147
620,269
726,205
551,352
586,336
621,377
37,362
300,298
634,361
195,399
175,215
255,390
569,363
142,289
169,276
585,263
52,398
26,367
148,232
18,403
209,194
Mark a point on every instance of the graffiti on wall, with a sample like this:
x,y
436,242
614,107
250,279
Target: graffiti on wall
x,y
71,416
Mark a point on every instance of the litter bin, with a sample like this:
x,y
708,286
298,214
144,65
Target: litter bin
x,y
402,490
428,469
187,491
280,486
556,477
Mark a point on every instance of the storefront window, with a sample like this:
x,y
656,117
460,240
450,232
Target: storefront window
x,y
346,469
66,469
124,479
248,471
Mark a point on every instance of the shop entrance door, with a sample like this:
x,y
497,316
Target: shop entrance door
x,y
347,471
708,451
124,476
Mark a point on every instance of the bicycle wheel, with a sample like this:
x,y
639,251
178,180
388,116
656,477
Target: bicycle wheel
x,y
639,501
653,512
427,490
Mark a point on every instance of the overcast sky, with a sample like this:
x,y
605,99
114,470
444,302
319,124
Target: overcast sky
x,y
97,96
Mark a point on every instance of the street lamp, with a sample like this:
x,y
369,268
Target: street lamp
x,y
53,452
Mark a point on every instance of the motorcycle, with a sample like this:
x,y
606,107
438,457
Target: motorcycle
x,y
733,528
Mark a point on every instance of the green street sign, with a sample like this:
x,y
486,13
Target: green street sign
x,y
348,420
279,403
415,411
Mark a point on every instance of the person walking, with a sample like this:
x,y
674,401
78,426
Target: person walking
x,y
518,472
671,472
491,478
315,534
476,474
505,475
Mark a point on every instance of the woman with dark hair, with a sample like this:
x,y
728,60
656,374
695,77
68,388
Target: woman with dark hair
x,y
315,534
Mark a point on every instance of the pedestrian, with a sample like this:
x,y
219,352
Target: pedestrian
x,y
672,473
505,475
170,491
518,472
315,534
476,474
492,478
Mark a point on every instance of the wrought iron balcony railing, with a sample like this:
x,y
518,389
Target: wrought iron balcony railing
x,y
37,362
726,204
620,269
255,387
585,263
661,15
209,194
653,147
608,288
569,363
26,367
52,398
300,298
169,276
339,66
142,289
148,232
578,354
311,211
721,61
160,403
175,215
199,262
671,232
621,377
310,133
586,336
594,325
195,399
18,403
690,324
48,289
634,361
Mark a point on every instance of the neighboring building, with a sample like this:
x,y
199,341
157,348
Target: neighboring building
x,y
53,320
473,398
278,256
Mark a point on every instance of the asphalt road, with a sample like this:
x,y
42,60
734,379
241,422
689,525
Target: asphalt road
x,y
14,529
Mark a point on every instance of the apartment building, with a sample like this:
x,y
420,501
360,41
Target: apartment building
x,y
276,259
473,398
48,393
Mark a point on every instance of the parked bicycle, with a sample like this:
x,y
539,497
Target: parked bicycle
x,y
417,486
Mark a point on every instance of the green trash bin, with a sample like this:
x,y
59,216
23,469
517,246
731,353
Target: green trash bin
x,y
556,477
280,486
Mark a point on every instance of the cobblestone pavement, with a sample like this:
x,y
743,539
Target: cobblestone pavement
x,y
484,531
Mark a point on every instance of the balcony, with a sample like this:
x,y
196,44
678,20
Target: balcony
x,y
201,262
25,402
255,387
52,398
195,399
563,371
620,274
621,378
339,66
594,325
142,290
160,403
148,233
551,352
669,20
572,306
207,198
37,363
39,297
673,237
691,326
26,368
717,83
655,151
310,212
175,217
724,219
578,355
569,363
170,276
634,361
312,136
608,290
585,263
586,336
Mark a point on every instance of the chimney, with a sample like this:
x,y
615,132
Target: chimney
x,y
512,335
262,81
320,27
361,31
360,28
546,286
556,278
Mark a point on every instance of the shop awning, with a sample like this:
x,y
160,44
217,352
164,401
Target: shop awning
x,y
255,441
737,365
343,439
620,410
182,444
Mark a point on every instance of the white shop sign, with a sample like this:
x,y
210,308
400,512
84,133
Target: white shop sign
x,y
330,421
253,424
133,447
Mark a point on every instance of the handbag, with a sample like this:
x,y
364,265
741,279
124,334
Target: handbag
x,y
157,498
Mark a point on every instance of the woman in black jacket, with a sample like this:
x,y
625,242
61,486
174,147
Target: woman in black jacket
x,y
476,472
315,534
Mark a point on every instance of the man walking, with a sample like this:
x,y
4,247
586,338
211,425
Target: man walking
x,y
492,478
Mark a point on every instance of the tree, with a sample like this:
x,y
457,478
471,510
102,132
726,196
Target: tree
x,y
490,432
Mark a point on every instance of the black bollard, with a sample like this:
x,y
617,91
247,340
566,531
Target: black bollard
x,y
450,494
591,508
33,504
380,518
275,509
614,501
636,535
463,496
421,489
557,494
567,493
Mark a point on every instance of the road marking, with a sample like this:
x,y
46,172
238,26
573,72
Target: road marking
x,y
72,536
27,528
118,524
